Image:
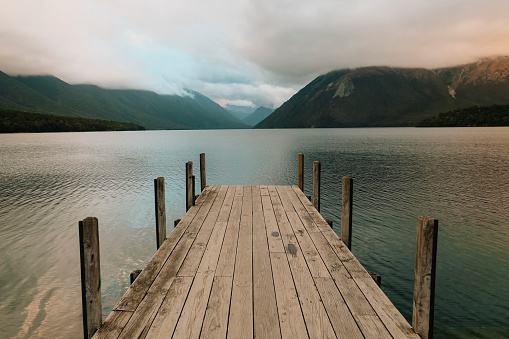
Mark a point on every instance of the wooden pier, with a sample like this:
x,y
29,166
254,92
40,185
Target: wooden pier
x,y
254,262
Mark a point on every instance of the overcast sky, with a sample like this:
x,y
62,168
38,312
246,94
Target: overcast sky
x,y
246,52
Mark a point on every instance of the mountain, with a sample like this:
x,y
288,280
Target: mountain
x,y
48,94
258,115
239,112
385,96
484,116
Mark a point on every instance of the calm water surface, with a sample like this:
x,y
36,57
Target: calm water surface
x,y
48,182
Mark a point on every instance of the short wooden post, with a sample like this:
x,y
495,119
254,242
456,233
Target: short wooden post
x,y
193,189
346,211
176,222
328,221
377,278
203,177
301,172
189,185
424,276
90,276
160,211
134,274
316,185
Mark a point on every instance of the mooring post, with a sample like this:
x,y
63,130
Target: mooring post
x,y
90,276
328,221
377,278
203,177
189,185
134,274
160,211
424,276
346,211
316,185
176,222
301,172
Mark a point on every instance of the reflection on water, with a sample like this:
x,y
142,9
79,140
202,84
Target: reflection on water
x,y
50,181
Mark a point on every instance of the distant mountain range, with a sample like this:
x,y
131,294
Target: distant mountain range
x,y
385,96
48,94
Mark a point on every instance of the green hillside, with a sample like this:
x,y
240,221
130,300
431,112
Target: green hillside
x,y
23,122
495,115
43,94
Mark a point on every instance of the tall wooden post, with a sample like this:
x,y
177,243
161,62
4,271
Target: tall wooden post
x,y
424,276
203,177
301,172
90,276
316,185
346,211
189,185
160,211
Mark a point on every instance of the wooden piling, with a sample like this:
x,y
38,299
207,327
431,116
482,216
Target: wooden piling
x,y
134,274
346,211
301,172
160,211
328,221
316,185
90,276
424,276
377,278
176,222
193,189
189,185
203,177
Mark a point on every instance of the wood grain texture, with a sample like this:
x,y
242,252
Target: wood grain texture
x,y
254,261
90,276
160,207
424,276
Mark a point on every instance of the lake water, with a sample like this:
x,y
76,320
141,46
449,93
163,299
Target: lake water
x,y
48,182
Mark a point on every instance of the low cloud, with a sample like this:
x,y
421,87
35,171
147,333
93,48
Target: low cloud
x,y
252,51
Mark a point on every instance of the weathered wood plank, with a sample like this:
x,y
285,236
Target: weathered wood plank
x,y
139,288
341,319
265,316
193,313
168,314
386,311
241,307
113,325
291,320
226,262
195,254
273,236
215,323
317,322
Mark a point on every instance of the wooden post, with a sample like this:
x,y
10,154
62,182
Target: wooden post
x,y
328,221
90,276
193,189
189,185
301,172
316,185
176,222
377,278
424,276
203,177
346,211
134,274
160,211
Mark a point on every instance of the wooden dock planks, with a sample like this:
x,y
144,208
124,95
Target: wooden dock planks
x,y
254,262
